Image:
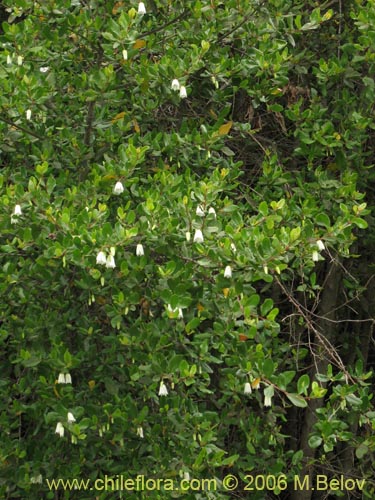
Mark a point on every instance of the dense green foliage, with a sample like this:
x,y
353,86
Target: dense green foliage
x,y
201,244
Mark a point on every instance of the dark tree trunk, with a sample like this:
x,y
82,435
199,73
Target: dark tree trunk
x,y
321,358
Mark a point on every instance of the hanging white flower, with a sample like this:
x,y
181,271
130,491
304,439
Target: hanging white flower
x,y
110,262
125,55
315,256
60,429
141,8
163,391
64,378
268,394
183,93
198,236
139,251
119,188
175,84
28,114
70,418
267,400
140,432
212,211
199,211
247,388
228,272
101,258
17,211
320,245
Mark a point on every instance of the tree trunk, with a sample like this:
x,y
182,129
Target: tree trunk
x,y
327,331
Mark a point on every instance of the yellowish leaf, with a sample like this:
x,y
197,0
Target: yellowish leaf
x,y
55,391
327,15
255,383
118,117
139,44
91,384
136,126
225,292
200,307
116,7
224,129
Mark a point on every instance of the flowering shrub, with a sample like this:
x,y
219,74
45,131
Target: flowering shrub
x,y
178,290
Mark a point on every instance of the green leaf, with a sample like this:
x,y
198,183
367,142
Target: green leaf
x,y
361,451
303,384
315,441
296,400
361,223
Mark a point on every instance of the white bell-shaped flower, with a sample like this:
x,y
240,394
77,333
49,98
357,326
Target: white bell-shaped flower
x,y
175,84
163,391
110,262
60,429
228,272
139,251
141,9
198,236
70,418
119,188
101,258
